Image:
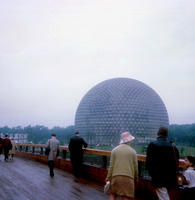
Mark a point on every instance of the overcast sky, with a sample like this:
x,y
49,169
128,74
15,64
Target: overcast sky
x,y
53,52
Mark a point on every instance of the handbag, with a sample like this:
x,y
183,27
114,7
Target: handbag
x,y
47,150
181,180
107,188
58,153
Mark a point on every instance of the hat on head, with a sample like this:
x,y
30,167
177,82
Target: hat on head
x,y
126,137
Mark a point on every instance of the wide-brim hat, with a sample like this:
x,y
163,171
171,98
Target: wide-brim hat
x,y
126,137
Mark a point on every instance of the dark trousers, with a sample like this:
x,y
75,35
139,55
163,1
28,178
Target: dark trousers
x,y
6,154
77,167
188,193
51,166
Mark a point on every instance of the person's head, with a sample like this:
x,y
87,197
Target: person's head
x,y
53,135
190,161
163,132
172,141
126,137
6,135
77,133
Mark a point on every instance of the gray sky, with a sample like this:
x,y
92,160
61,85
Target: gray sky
x,y
53,52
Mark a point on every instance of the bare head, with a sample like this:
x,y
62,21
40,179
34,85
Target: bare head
x,y
77,133
53,135
190,161
163,132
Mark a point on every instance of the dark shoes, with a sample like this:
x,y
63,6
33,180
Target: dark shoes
x,y
51,174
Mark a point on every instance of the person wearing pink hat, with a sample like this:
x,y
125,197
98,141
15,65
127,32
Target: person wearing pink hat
x,y
123,170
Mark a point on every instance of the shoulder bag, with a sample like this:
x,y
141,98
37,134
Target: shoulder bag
x,y
107,188
47,149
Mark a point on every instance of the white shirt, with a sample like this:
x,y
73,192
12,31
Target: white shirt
x,y
190,176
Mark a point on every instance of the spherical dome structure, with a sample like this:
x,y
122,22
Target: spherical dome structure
x,y
117,105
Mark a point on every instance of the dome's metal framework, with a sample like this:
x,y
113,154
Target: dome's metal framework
x,y
120,104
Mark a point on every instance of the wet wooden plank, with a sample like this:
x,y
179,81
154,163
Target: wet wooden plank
x,y
24,179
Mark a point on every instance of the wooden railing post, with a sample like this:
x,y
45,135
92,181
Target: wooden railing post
x,y
104,158
41,151
64,154
140,169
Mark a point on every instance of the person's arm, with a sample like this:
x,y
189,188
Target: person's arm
x,y
84,143
10,145
109,175
70,145
58,149
187,177
149,159
47,144
177,156
3,143
136,168
15,147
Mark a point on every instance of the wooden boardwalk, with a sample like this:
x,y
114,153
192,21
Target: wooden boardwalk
x,y
23,179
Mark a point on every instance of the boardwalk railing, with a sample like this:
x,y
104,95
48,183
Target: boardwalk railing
x,y
96,161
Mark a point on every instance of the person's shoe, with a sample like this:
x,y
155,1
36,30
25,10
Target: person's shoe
x,y
52,174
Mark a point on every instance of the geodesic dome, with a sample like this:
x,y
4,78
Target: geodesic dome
x,y
117,105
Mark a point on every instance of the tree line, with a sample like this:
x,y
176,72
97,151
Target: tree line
x,y
40,134
180,134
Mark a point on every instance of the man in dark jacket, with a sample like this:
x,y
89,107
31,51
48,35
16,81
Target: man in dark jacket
x,y
162,163
76,153
7,145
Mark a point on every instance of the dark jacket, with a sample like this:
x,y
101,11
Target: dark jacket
x,y
1,144
162,162
1,141
7,145
76,147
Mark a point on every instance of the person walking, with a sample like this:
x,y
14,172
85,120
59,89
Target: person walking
x,y
162,163
12,151
1,145
75,146
7,145
123,169
53,144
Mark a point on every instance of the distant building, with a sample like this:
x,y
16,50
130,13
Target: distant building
x,y
21,138
120,104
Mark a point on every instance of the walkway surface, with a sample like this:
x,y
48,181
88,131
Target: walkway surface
x,y
23,179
